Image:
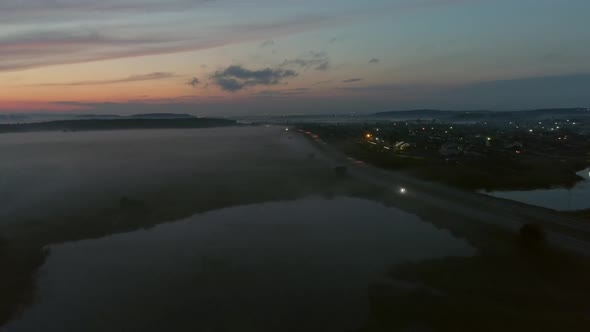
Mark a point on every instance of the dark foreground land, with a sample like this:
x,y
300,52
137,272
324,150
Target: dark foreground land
x,y
518,280
116,124
526,289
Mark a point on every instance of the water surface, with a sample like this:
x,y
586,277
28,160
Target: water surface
x,y
561,199
302,265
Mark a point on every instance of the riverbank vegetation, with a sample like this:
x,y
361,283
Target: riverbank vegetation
x,y
478,164
530,288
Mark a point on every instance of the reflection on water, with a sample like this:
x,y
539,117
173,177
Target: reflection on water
x,y
561,199
292,266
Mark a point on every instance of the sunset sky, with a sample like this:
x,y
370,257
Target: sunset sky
x,y
231,57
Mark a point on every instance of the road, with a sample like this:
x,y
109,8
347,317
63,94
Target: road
x,y
561,230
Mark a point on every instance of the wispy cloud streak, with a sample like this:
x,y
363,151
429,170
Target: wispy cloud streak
x,y
57,47
33,33
134,78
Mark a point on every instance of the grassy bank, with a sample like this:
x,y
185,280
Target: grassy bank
x,y
531,288
500,173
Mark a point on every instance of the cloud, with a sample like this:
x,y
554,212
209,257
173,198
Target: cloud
x,y
97,30
44,8
322,82
374,61
39,49
282,93
316,60
519,93
129,79
59,46
194,82
532,92
323,66
394,88
235,78
351,80
133,107
267,43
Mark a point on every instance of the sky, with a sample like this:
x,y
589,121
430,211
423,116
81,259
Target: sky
x,y
257,57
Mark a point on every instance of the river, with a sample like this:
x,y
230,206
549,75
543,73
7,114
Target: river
x,y
303,265
561,199
245,228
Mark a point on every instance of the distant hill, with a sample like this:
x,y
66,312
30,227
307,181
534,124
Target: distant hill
x,y
116,124
97,116
161,116
417,114
135,116
485,115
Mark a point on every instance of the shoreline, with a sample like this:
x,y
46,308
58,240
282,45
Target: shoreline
x,y
115,124
471,177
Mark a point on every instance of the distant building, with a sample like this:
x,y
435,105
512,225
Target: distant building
x,y
402,145
450,149
514,145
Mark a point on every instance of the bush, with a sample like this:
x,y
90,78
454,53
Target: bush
x,y
341,170
126,203
532,235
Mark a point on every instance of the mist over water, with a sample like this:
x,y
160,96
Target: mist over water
x,y
251,228
304,265
270,236
58,173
